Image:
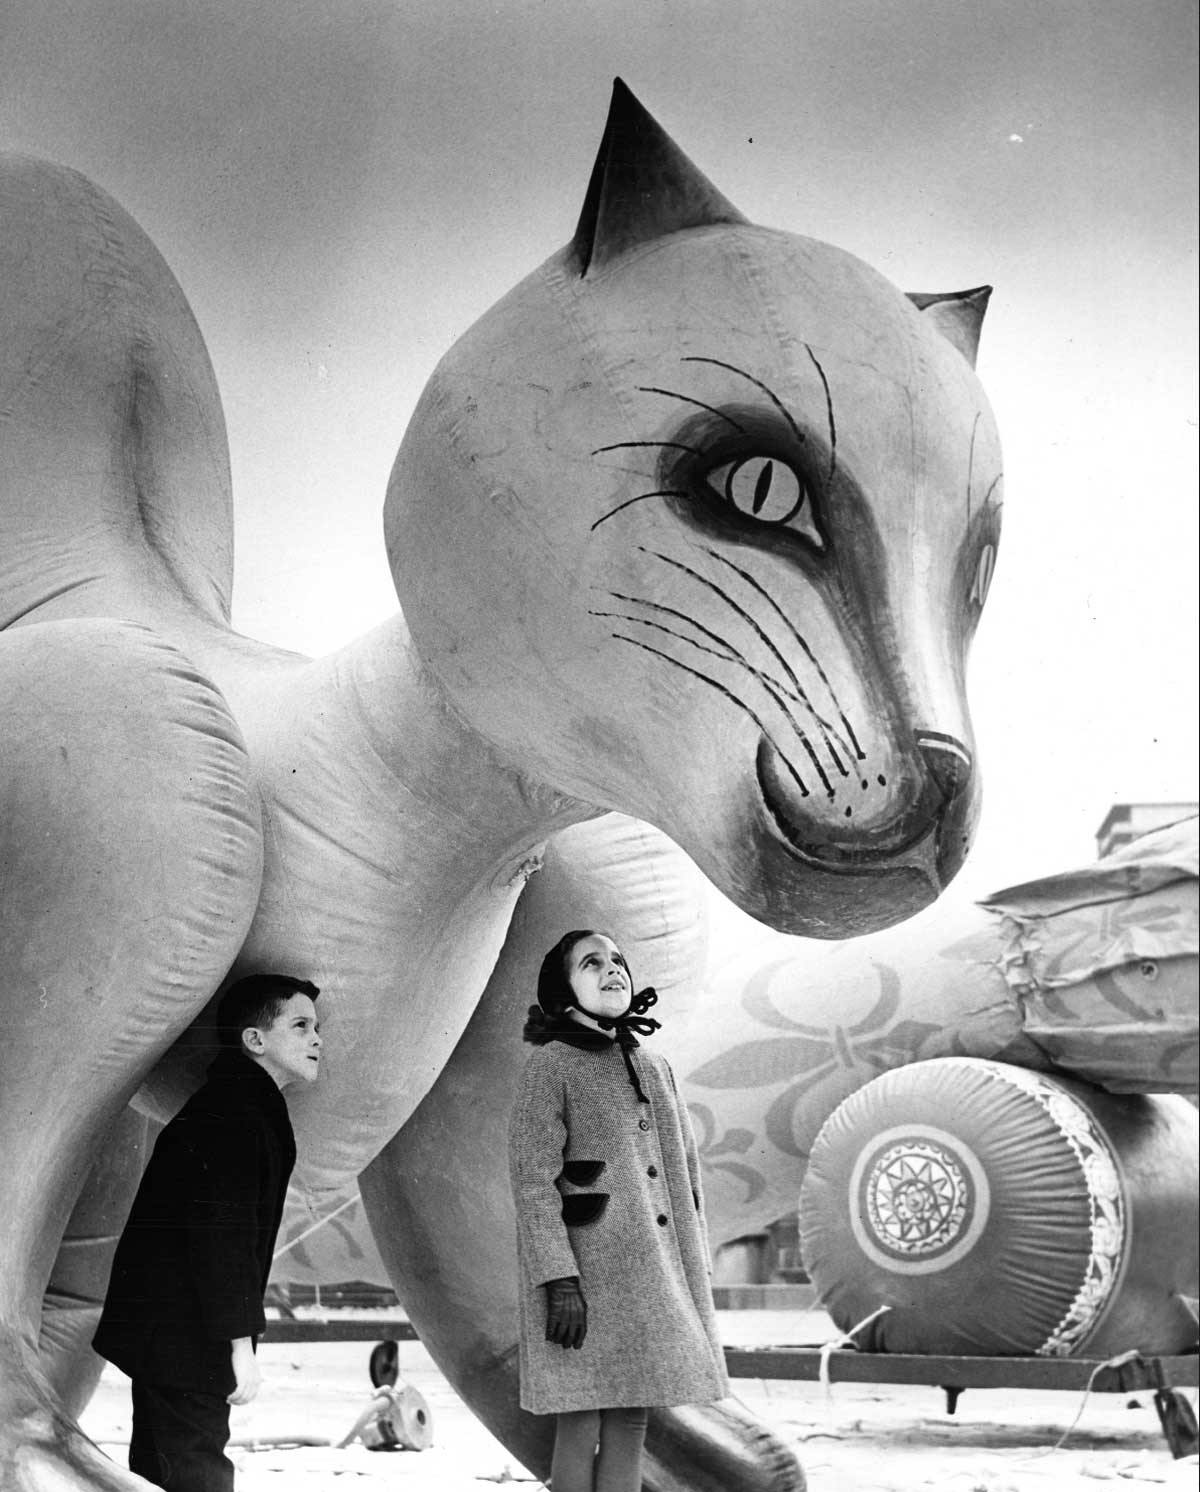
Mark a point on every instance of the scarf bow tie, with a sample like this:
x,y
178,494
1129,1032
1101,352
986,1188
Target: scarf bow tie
x,y
626,1028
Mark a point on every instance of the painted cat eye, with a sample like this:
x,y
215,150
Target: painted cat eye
x,y
768,490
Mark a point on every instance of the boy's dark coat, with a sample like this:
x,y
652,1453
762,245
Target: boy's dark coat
x,y
191,1268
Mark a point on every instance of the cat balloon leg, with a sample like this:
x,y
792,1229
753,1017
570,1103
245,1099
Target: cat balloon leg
x,y
78,1282
131,851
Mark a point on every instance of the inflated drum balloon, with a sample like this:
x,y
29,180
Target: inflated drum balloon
x,y
993,1210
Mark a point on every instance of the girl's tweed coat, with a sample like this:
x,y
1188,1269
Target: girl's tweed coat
x,y
608,1188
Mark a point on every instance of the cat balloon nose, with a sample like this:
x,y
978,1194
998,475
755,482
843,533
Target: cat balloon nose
x,y
951,770
914,844
947,761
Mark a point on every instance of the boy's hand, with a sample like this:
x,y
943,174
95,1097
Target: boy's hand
x,y
246,1372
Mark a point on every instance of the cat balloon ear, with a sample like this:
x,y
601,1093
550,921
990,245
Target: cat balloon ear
x,y
958,316
642,188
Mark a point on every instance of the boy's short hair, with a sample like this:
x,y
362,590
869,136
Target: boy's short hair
x,y
257,1000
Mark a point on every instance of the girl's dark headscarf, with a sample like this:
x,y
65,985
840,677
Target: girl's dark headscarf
x,y
548,1019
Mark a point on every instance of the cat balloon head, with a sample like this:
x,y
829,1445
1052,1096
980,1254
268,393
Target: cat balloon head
x,y
697,523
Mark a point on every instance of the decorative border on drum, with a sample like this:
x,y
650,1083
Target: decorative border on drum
x,y
1106,1204
976,1205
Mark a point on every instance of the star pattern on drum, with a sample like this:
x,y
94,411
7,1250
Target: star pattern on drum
x,y
917,1198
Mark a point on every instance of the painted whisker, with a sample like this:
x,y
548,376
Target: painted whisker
x,y
728,693
804,740
758,383
801,693
699,403
730,654
636,445
622,616
727,653
767,642
728,600
808,652
828,410
682,616
629,502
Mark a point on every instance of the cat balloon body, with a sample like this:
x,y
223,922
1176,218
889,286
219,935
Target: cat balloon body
x,y
695,524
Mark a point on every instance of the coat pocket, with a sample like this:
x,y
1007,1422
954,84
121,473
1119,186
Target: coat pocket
x,y
583,1208
582,1172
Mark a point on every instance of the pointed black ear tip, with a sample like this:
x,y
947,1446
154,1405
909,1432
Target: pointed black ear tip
x,y
976,297
623,103
957,315
642,187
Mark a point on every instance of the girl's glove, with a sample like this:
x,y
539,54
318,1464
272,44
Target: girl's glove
x,y
566,1312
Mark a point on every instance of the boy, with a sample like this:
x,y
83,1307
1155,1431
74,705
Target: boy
x,y
185,1300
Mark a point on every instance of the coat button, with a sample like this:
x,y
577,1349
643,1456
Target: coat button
x,y
643,1124
651,1170
662,1219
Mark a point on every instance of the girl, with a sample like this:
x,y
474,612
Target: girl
x,y
616,1300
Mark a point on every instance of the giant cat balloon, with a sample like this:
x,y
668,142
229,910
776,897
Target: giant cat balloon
x,y
696,523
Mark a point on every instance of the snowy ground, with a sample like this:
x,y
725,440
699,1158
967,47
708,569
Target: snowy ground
x,y
861,1438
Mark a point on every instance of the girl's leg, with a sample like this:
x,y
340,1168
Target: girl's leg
x,y
619,1465
575,1437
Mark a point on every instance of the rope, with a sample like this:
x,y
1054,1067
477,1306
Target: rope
x,y
308,1232
384,1398
835,1345
1113,1362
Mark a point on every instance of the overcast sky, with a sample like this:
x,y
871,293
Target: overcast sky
x,y
343,187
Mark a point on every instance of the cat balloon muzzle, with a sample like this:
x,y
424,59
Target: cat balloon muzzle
x,y
930,835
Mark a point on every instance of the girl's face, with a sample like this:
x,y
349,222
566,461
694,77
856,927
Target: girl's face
x,y
598,977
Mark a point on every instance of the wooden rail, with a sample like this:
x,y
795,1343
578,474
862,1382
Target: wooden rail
x,y
845,1366
1061,1373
